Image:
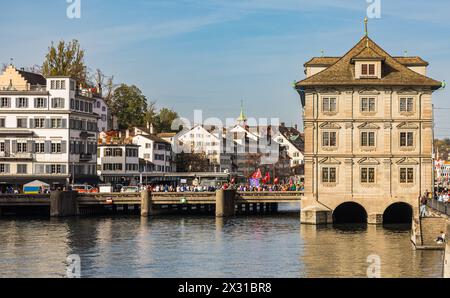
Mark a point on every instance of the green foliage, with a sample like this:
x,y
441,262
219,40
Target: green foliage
x,y
65,59
163,121
129,105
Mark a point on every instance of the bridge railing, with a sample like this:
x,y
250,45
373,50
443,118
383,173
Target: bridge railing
x,y
439,206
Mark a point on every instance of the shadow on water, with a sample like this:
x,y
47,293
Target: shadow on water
x,y
397,227
350,227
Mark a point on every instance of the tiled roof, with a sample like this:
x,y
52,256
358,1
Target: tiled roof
x,y
33,78
341,73
167,134
328,61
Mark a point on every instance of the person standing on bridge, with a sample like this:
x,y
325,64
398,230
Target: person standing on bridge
x,y
423,206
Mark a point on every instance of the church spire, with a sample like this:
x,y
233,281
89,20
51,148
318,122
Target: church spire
x,y
242,117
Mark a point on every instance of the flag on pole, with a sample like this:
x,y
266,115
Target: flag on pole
x,y
257,174
266,178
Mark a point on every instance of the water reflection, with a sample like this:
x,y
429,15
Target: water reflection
x,y
184,246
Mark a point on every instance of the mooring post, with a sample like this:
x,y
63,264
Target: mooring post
x,y
63,203
447,253
146,203
225,202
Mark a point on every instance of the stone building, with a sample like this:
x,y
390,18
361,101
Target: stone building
x,y
368,135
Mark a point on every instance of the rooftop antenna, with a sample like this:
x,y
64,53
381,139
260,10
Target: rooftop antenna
x,y
322,52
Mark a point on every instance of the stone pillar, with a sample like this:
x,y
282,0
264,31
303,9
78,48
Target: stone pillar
x,y
375,218
225,202
63,203
447,253
146,203
311,212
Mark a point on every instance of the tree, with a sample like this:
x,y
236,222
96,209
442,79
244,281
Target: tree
x,y
163,121
150,114
193,162
129,105
105,84
65,59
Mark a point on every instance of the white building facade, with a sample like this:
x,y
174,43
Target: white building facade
x,y
48,131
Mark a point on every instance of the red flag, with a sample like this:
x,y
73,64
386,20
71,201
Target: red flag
x,y
233,180
276,180
266,179
257,174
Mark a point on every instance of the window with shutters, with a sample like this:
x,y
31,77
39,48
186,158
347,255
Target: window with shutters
x,y
56,147
406,175
4,168
22,168
22,102
406,139
39,122
2,122
21,122
56,122
58,103
5,102
21,147
40,103
2,147
39,147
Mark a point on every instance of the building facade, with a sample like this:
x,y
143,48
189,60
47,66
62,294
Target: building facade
x,y
368,132
118,163
48,130
154,150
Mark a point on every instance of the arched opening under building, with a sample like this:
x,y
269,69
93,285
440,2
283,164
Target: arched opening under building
x,y
398,213
349,213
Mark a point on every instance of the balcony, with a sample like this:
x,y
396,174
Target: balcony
x,y
16,156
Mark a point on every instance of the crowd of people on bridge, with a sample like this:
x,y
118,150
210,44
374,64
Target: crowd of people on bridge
x,y
239,187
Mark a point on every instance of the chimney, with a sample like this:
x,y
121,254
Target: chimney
x,y
148,125
127,133
282,124
296,127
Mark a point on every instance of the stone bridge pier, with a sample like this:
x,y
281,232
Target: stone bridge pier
x,y
370,209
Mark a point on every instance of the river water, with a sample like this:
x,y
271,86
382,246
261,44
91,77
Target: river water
x,y
203,246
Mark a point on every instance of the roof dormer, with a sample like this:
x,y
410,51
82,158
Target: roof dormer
x,y
368,64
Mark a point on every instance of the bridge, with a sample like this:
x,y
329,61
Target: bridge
x,y
223,202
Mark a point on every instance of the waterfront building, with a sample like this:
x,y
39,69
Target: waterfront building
x,y
368,125
48,130
117,159
102,110
292,139
208,142
154,149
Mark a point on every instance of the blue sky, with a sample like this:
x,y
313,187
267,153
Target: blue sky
x,y
211,54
